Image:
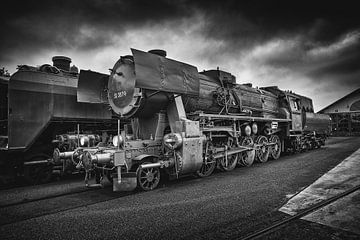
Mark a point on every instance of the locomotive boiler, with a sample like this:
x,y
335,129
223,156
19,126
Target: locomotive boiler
x,y
38,103
185,122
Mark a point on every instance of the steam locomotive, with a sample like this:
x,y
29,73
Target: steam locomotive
x,y
184,122
40,112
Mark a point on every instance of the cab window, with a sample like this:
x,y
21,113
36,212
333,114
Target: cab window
x,y
294,104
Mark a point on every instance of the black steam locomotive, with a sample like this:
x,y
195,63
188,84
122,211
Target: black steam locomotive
x,y
185,122
40,111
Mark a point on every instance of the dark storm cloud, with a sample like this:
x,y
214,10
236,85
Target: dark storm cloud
x,y
312,25
339,56
337,63
240,23
261,20
346,61
41,24
33,26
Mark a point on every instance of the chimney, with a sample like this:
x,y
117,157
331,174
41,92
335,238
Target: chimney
x,y
62,62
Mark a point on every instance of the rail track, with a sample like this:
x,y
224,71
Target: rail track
x,y
276,226
27,209
24,201
39,207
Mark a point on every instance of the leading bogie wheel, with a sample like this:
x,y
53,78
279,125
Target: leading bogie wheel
x,y
262,153
275,149
148,178
246,158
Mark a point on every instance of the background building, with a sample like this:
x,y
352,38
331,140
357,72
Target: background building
x,y
345,114
4,81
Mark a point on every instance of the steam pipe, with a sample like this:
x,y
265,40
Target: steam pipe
x,y
152,165
102,158
119,174
64,155
37,162
78,133
58,156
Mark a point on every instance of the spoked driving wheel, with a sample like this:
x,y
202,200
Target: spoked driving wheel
x,y
209,163
275,149
246,158
228,163
262,153
148,178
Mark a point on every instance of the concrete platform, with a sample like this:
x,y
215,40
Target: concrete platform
x,y
342,214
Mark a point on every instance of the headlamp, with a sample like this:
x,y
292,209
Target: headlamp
x,y
84,141
173,140
117,141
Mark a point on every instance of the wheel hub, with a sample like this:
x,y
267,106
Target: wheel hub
x,y
276,147
263,149
149,176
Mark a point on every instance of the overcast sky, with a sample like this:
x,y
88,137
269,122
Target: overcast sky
x,y
310,47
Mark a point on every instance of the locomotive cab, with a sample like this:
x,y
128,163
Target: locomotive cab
x,y
296,114
308,129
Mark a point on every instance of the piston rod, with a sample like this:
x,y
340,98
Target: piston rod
x,y
231,152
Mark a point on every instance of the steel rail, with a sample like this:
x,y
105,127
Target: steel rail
x,y
25,201
123,194
302,213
